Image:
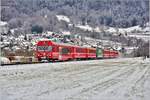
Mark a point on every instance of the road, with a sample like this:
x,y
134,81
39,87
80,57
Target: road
x,y
109,79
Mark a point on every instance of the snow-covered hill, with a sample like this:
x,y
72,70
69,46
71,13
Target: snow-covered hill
x,y
135,31
11,42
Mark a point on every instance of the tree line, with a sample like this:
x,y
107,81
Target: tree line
x,y
116,13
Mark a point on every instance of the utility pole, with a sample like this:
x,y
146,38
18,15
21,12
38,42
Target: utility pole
x,y
149,37
149,47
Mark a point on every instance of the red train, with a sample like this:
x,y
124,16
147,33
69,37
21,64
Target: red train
x,y
51,51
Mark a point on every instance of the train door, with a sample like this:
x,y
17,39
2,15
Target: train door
x,y
60,53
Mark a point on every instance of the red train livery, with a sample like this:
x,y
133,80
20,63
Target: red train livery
x,y
51,51
110,54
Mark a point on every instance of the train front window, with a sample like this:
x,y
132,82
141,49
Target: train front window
x,y
44,48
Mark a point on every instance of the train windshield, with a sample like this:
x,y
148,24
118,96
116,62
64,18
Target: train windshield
x,y
44,48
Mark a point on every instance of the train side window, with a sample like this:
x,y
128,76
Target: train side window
x,y
56,49
49,48
79,50
65,51
92,51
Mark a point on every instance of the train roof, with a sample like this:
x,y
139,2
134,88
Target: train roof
x,y
67,44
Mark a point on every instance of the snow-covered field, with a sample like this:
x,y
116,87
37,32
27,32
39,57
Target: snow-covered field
x,y
110,79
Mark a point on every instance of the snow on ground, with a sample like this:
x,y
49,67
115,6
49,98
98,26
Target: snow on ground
x,y
144,37
2,23
110,79
93,42
144,33
4,60
63,18
85,27
130,29
125,30
66,32
88,28
111,30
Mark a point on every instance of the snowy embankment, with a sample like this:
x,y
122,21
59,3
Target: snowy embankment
x,y
63,18
4,60
111,79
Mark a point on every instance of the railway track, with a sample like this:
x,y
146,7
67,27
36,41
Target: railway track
x,y
56,61
23,63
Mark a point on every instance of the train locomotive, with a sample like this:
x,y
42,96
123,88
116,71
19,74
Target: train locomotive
x,y
52,51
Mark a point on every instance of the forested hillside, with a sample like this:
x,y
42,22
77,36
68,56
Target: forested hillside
x,y
115,13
